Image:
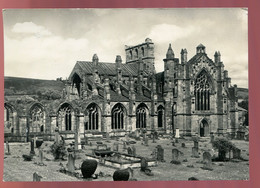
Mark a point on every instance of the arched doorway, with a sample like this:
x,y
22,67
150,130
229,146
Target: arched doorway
x,y
204,128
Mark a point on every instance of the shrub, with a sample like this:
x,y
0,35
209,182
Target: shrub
x,y
58,150
223,146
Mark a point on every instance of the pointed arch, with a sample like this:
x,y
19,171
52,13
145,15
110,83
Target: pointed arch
x,y
9,118
118,116
65,115
142,114
92,117
204,128
160,116
36,118
202,88
76,83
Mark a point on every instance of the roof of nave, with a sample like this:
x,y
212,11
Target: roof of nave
x,y
109,68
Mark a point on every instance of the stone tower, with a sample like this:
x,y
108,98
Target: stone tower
x,y
145,51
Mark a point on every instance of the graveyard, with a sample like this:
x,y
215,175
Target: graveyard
x,y
144,157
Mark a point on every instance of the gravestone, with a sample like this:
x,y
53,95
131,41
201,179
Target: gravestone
x,y
236,153
177,133
146,141
8,148
32,152
130,151
71,163
137,134
175,156
196,144
36,177
153,135
160,153
207,161
115,146
40,156
134,150
57,135
195,152
144,164
154,154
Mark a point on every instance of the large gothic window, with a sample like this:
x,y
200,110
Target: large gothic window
x,y
92,116
65,117
141,116
117,117
8,119
202,92
37,119
160,113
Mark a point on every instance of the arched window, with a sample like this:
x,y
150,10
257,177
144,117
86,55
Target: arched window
x,y
117,117
92,116
8,119
76,81
131,55
65,117
37,119
142,52
141,116
202,92
160,119
136,52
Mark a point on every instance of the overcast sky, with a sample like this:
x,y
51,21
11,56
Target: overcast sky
x,y
46,43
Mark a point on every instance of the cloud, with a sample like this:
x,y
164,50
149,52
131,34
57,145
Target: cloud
x,y
166,32
30,28
42,57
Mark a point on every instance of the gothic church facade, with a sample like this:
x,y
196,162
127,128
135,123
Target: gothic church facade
x,y
194,96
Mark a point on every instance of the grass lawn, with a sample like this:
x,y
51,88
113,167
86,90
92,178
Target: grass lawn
x,y
16,169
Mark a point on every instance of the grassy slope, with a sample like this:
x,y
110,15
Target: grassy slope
x,y
31,86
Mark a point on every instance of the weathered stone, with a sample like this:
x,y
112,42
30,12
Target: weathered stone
x,y
36,177
175,156
160,153
32,152
236,153
144,164
196,144
207,161
195,152
121,175
40,156
88,168
71,162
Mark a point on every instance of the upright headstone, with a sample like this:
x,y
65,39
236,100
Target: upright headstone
x,y
7,148
236,153
175,156
177,133
71,163
146,141
32,152
195,152
57,135
153,136
144,164
134,150
207,161
36,177
40,156
137,134
115,146
160,153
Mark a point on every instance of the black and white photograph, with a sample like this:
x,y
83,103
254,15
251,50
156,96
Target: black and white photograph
x,y
126,94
